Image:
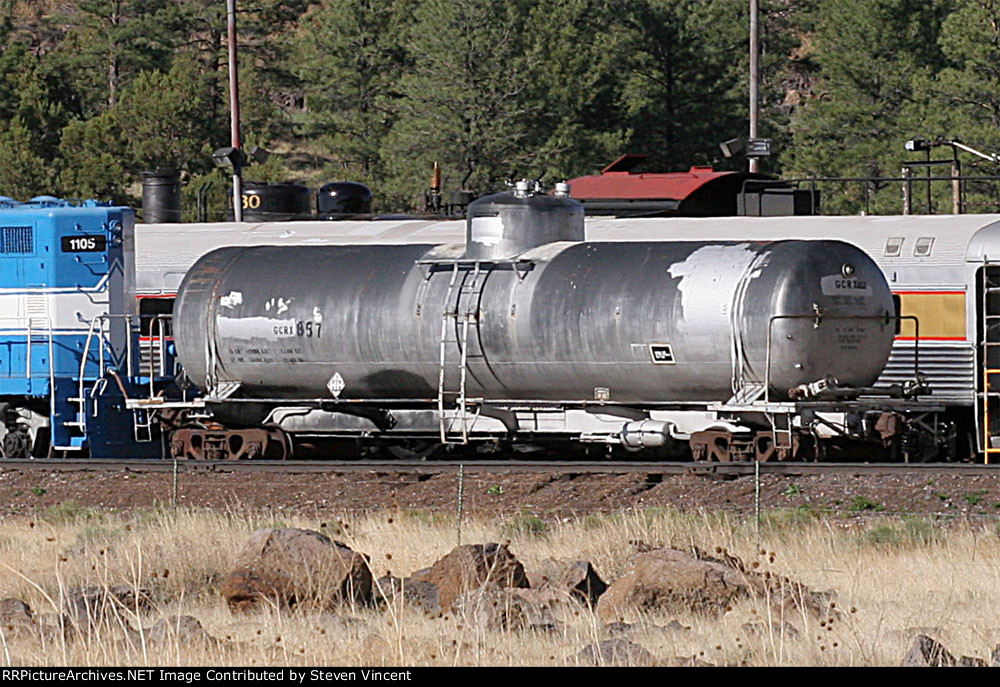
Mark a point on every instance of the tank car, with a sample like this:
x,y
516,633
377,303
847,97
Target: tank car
x,y
529,333
944,273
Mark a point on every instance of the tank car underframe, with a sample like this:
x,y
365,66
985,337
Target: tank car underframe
x,y
908,430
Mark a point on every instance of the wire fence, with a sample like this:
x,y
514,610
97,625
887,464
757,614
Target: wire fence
x,y
529,501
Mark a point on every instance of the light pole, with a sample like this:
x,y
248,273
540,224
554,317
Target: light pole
x,y
754,96
234,112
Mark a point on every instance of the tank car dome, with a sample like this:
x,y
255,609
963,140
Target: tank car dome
x,y
343,198
502,225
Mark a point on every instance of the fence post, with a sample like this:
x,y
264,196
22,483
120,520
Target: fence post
x,y
756,496
174,497
461,497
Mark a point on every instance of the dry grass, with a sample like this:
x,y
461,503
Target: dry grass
x,y
890,576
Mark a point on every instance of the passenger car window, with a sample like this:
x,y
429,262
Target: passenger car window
x,y
893,247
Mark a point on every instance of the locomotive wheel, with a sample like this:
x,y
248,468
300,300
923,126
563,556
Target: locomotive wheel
x,y
17,444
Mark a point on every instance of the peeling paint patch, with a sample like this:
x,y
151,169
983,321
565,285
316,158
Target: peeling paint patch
x,y
232,300
255,328
487,230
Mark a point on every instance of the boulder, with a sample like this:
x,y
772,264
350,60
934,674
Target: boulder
x,y
577,578
414,592
782,629
489,608
675,581
995,657
16,618
540,606
293,567
971,662
183,630
927,653
614,652
471,566
686,662
93,605
492,607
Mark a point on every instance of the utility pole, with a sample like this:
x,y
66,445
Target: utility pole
x,y
754,96
234,112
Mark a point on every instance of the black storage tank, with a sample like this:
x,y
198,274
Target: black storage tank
x,y
161,196
275,202
340,199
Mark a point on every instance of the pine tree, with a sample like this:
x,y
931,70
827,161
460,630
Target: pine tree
x,y
964,98
23,173
869,53
464,104
349,60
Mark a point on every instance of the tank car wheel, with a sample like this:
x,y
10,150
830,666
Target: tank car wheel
x,y
712,445
415,450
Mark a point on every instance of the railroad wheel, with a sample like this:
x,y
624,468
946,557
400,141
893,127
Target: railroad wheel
x,y
414,450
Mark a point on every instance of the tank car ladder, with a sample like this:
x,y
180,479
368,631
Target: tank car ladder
x,y
990,361
461,310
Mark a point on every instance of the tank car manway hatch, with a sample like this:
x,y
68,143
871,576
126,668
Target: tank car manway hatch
x,y
527,335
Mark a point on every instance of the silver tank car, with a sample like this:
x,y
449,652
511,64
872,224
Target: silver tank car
x,y
533,316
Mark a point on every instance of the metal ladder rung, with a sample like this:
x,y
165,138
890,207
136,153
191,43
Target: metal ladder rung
x,y
459,319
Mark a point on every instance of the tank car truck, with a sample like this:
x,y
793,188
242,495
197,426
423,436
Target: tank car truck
x,y
528,335
68,359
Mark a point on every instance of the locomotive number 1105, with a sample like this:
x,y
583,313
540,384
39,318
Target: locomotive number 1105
x,y
86,243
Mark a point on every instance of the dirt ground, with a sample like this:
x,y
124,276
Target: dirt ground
x,y
501,493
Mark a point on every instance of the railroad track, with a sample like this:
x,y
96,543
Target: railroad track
x,y
438,467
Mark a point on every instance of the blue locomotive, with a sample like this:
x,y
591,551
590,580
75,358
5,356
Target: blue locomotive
x,y
72,347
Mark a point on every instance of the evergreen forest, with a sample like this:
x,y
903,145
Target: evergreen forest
x,y
93,92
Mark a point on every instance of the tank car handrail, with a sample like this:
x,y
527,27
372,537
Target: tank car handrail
x,y
818,316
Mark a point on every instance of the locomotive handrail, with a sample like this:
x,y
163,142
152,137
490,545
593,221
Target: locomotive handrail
x,y
819,316
30,332
97,325
156,333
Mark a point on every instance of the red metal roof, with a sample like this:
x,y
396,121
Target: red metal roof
x,y
618,181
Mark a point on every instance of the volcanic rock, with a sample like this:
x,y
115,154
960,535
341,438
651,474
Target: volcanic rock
x,y
673,580
92,605
615,652
16,617
578,578
422,595
927,653
471,566
293,567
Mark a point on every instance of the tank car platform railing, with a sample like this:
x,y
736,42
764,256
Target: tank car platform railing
x,y
819,317
778,413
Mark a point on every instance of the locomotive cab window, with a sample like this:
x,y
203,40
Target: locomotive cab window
x,y
922,248
893,247
149,309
